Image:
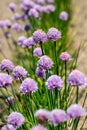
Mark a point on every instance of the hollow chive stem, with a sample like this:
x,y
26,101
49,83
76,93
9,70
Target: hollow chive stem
x,y
56,60
42,48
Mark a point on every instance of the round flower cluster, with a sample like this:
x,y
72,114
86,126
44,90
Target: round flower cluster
x,y
21,40
58,116
16,27
65,56
28,86
19,73
16,119
37,52
53,82
39,36
75,111
53,34
77,78
6,65
40,72
8,127
5,80
42,115
64,16
45,62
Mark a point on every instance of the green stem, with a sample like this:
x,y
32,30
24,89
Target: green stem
x,y
56,59
42,48
77,94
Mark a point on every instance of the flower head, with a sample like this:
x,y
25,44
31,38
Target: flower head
x,y
2,23
33,13
28,43
58,116
6,65
53,82
19,73
37,52
8,23
5,80
28,86
77,78
49,8
16,119
8,127
16,16
40,72
39,36
39,127
64,16
65,56
16,27
27,27
75,111
12,6
45,62
21,40
53,34
42,115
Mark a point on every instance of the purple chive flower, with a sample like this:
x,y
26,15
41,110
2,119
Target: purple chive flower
x,y
64,16
40,72
24,17
8,127
38,127
16,119
19,73
39,36
65,56
53,82
37,52
12,6
27,27
2,23
21,40
8,23
28,43
49,8
7,34
58,116
16,27
45,62
75,111
33,13
77,78
6,65
23,7
29,3
42,115
28,86
16,16
53,34
5,80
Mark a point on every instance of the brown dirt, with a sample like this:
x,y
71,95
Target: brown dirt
x,y
79,31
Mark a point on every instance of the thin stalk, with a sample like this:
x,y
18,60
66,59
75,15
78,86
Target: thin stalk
x,y
56,59
77,94
42,48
